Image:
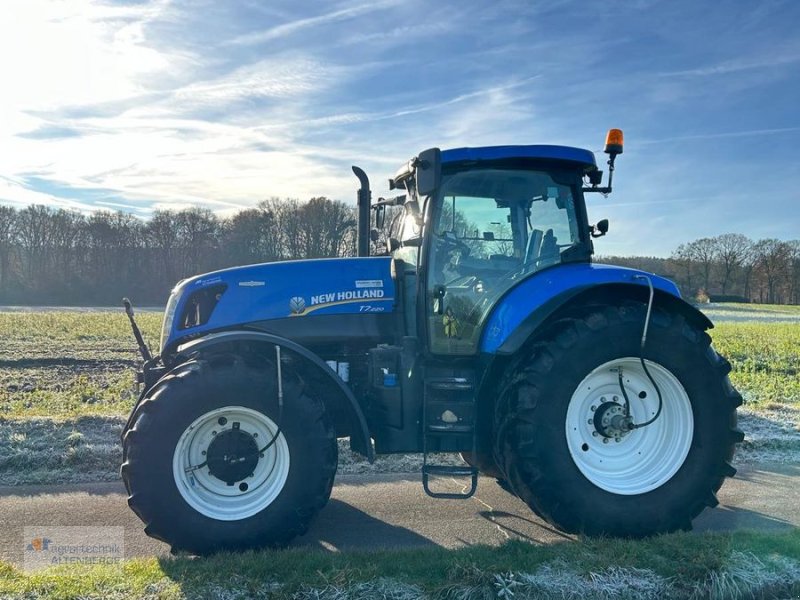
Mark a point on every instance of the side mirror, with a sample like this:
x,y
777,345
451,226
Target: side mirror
x,y
595,177
600,229
428,171
380,216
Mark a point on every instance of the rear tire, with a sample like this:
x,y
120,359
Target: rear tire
x,y
181,423
554,459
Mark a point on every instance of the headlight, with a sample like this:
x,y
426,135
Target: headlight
x,y
169,315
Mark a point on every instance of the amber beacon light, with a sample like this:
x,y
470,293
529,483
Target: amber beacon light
x,y
613,142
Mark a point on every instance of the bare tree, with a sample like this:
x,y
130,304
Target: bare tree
x,y
329,225
8,231
683,262
162,236
732,249
703,252
250,236
35,232
771,267
197,236
794,272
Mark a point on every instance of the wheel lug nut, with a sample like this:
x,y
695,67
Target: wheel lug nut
x,y
594,408
204,452
594,434
213,433
255,434
616,398
590,421
602,399
605,440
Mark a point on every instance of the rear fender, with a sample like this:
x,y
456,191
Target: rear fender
x,y
529,304
496,363
338,387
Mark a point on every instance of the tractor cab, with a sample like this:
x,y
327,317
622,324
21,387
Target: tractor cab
x,y
473,222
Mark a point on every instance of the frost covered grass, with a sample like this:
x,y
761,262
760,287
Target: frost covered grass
x,y
44,450
73,371
720,312
87,449
765,359
680,566
69,364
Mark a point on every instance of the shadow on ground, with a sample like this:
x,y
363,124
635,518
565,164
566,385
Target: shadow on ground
x,y
341,526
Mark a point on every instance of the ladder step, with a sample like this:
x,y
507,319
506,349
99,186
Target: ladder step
x,y
450,385
451,471
449,424
451,429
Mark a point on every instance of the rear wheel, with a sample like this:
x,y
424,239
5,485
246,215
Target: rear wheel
x,y
211,463
561,438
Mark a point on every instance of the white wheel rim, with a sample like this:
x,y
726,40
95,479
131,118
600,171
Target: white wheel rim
x,y
213,497
643,459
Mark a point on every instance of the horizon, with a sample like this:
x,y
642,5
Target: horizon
x,y
139,106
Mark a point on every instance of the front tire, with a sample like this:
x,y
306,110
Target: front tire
x,y
559,453
198,466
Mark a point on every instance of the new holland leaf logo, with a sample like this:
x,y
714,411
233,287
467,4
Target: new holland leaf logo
x,y
297,304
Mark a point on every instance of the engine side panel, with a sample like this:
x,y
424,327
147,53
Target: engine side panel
x,y
291,291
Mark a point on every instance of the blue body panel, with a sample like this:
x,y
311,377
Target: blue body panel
x,y
535,291
292,289
546,152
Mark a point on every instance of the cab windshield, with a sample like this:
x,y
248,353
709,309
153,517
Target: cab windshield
x,y
490,228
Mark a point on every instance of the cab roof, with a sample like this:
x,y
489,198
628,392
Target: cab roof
x,y
540,151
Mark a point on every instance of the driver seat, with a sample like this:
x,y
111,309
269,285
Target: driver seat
x,y
534,246
542,250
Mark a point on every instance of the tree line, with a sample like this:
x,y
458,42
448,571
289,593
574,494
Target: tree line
x,y
729,268
55,256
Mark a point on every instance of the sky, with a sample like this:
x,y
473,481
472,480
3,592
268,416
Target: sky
x,y
141,105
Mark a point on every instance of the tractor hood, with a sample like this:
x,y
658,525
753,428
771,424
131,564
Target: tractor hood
x,y
282,290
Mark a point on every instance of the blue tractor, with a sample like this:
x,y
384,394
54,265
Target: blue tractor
x,y
590,391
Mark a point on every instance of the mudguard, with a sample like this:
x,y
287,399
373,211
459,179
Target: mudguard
x,y
527,305
214,339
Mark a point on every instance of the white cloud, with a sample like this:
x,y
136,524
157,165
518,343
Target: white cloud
x,y
736,65
292,27
14,192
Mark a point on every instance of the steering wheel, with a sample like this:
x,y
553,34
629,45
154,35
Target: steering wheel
x,y
454,243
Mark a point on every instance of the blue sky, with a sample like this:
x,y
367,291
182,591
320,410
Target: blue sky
x,y
139,105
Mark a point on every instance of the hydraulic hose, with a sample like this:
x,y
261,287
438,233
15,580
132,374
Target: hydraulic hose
x,y
631,424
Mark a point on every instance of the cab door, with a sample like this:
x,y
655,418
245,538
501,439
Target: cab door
x,y
488,229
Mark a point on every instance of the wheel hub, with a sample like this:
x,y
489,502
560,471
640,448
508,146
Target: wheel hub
x,y
610,420
232,456
630,462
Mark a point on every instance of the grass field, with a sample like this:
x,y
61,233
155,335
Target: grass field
x,y
677,566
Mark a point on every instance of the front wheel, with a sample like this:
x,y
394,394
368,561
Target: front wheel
x,y
562,434
212,463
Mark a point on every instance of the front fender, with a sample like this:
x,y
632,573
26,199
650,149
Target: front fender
x,y
214,339
529,304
